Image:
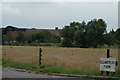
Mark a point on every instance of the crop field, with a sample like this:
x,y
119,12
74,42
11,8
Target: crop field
x,y
78,58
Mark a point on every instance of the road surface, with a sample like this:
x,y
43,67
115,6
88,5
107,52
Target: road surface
x,y
12,73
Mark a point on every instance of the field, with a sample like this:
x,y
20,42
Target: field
x,y
78,58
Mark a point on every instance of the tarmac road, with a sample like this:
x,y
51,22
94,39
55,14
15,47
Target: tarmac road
x,y
12,73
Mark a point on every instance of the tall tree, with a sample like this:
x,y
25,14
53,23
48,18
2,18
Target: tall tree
x,y
95,32
68,34
84,34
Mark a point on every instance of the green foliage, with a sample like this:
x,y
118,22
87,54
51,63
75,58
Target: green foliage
x,y
34,44
55,39
8,43
84,34
31,38
95,30
20,38
44,44
110,38
4,38
76,34
67,42
117,36
43,37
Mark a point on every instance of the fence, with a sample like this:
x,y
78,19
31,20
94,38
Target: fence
x,y
79,58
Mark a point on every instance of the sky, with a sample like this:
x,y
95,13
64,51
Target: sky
x,y
48,15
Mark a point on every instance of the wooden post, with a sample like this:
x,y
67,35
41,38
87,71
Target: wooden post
x,y
102,72
108,53
108,56
118,58
40,56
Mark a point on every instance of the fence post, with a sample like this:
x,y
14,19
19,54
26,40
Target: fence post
x,y
40,55
102,72
108,56
118,58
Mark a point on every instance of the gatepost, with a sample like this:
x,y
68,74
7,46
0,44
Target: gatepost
x,y
108,56
108,64
40,56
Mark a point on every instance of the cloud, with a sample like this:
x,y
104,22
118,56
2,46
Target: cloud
x,y
9,9
49,15
60,0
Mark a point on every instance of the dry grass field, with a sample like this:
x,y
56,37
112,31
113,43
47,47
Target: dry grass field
x,y
79,58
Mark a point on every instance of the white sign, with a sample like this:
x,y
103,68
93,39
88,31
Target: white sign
x,y
107,64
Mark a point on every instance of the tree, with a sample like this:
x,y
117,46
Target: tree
x,y
84,34
43,36
68,34
95,32
55,38
117,34
31,38
80,35
110,38
67,42
4,39
20,38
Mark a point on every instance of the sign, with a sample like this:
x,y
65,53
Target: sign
x,y
107,64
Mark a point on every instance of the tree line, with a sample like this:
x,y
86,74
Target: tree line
x,y
40,37
76,34
91,34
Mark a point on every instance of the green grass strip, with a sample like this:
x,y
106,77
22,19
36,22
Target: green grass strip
x,y
49,69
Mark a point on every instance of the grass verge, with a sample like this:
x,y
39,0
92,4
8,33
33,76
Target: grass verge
x,y
49,69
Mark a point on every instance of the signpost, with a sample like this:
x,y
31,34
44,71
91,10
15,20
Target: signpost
x,y
107,64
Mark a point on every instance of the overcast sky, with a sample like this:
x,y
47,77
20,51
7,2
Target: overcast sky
x,y
48,15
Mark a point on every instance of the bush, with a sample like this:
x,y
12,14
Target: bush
x,y
45,44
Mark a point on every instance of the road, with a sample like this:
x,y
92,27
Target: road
x,y
12,73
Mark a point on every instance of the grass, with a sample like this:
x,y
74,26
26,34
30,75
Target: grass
x,y
66,58
49,69
45,68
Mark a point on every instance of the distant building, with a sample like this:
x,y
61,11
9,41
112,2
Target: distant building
x,y
14,31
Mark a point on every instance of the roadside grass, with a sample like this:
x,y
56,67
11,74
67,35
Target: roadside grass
x,y
48,69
